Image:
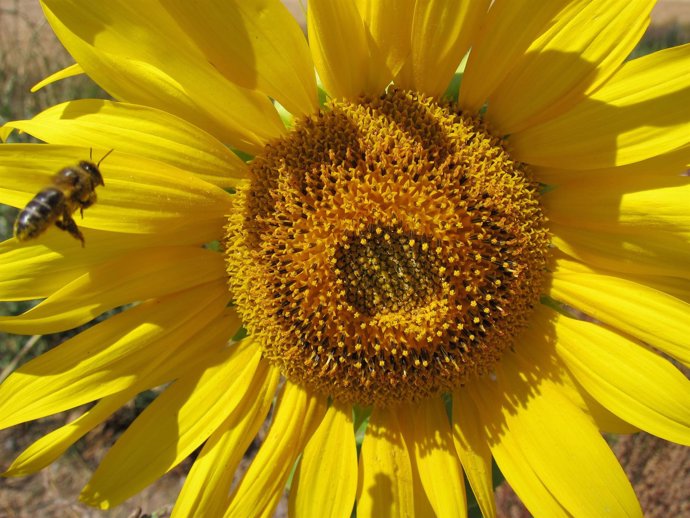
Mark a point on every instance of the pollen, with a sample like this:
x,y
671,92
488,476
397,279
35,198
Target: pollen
x,y
386,249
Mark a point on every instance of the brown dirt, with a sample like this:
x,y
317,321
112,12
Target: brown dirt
x,y
28,35
54,491
660,473
671,11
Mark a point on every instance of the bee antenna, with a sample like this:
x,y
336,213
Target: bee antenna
x,y
103,157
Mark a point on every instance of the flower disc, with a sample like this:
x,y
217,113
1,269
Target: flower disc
x,y
386,249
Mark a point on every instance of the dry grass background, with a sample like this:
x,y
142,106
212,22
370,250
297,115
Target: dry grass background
x,y
28,52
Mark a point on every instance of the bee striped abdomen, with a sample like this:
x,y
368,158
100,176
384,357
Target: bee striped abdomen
x,y
39,214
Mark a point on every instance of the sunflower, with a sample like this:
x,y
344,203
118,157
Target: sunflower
x,y
468,238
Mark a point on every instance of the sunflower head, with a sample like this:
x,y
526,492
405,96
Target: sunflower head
x,y
387,249
375,271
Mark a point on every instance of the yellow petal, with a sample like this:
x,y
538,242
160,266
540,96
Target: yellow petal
x,y
39,268
385,471
643,111
138,130
173,425
674,286
389,24
36,268
573,57
639,252
139,275
629,379
422,505
473,449
199,350
537,345
297,415
256,44
548,449
70,71
326,480
49,447
659,171
206,488
514,463
442,33
499,46
626,203
427,433
143,56
654,317
112,356
339,47
139,196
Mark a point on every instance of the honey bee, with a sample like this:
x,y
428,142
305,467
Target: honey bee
x,y
73,188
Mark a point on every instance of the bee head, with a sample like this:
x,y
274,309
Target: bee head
x,y
93,170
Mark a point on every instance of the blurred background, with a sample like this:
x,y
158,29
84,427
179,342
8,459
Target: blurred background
x,y
660,472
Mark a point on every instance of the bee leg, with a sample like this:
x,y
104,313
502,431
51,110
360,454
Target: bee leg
x,y
68,224
85,204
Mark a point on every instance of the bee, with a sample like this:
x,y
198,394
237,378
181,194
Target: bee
x,y
73,188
